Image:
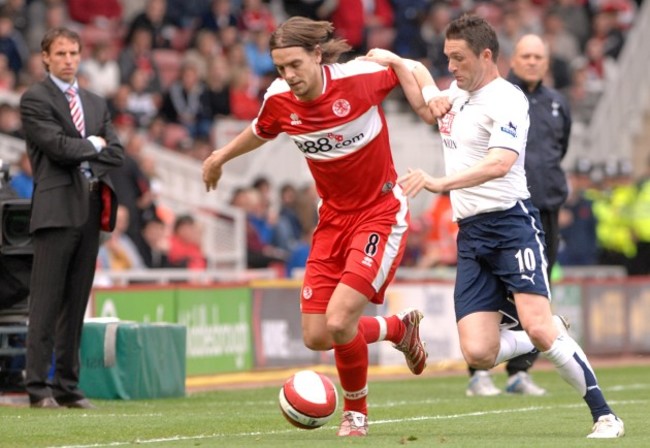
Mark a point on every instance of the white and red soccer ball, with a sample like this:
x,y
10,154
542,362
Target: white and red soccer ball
x,y
308,399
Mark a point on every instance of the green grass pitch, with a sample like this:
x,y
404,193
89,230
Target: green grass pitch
x,y
432,411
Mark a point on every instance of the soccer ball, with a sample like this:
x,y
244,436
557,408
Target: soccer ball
x,y
308,399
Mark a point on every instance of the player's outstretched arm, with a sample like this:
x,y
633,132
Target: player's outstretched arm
x,y
245,142
496,164
404,69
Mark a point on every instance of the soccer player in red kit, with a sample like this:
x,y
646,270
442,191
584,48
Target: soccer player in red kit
x,y
333,114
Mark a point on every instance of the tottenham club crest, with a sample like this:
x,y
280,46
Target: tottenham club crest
x,y
341,108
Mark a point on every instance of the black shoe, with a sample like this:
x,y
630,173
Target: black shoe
x,y
45,403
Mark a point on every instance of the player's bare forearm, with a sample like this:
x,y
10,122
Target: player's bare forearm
x,y
404,69
408,79
496,164
245,142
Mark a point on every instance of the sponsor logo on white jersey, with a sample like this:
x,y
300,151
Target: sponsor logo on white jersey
x,y
445,123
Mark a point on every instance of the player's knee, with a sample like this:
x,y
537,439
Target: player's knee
x,y
337,326
478,357
317,342
540,335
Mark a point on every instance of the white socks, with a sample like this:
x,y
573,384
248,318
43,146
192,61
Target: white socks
x,y
513,344
571,363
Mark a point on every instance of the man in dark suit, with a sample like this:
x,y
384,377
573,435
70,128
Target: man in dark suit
x,y
72,146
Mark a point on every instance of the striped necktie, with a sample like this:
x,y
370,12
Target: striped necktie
x,y
78,120
75,110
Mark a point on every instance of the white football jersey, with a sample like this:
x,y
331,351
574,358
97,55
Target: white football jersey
x,y
495,116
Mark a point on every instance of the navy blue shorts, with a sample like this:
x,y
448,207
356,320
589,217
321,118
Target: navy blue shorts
x,y
500,253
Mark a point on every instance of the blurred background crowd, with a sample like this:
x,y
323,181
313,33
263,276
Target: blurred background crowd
x,y
171,69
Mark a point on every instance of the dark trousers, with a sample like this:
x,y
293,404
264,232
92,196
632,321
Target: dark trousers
x,y
62,277
551,228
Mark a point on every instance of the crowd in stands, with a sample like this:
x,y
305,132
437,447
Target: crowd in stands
x,y
171,69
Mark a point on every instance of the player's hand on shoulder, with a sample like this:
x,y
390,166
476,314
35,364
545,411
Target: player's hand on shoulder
x,y
211,171
380,56
416,180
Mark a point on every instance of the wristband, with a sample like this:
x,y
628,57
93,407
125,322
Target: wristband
x,y
429,93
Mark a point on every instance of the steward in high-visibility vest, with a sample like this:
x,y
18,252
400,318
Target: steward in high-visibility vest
x,y
641,228
613,210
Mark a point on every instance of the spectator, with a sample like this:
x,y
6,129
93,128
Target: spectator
x,y
17,10
605,29
138,55
582,96
185,244
141,103
205,50
155,254
22,181
440,241
219,16
12,44
409,16
10,121
186,15
432,34
7,75
562,43
155,22
578,245
44,15
256,16
640,265
600,68
258,55
312,9
576,19
288,232
218,86
134,191
105,13
259,253
613,210
33,72
102,70
244,100
187,103
118,252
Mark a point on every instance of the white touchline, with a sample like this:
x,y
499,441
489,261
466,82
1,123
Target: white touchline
x,y
376,422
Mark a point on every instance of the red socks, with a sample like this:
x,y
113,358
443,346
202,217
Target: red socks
x,y
382,328
352,365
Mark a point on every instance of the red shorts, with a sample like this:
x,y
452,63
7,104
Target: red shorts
x,y
361,249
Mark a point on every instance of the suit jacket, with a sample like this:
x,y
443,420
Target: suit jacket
x,y
56,149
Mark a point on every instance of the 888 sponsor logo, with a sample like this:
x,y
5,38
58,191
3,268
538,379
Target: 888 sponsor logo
x,y
328,143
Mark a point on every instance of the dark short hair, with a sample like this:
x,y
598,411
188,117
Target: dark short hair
x,y
54,33
182,220
474,30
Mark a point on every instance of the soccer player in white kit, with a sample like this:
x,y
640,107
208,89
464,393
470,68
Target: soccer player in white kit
x,y
501,274
333,114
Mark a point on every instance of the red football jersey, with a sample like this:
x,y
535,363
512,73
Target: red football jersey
x,y
342,133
